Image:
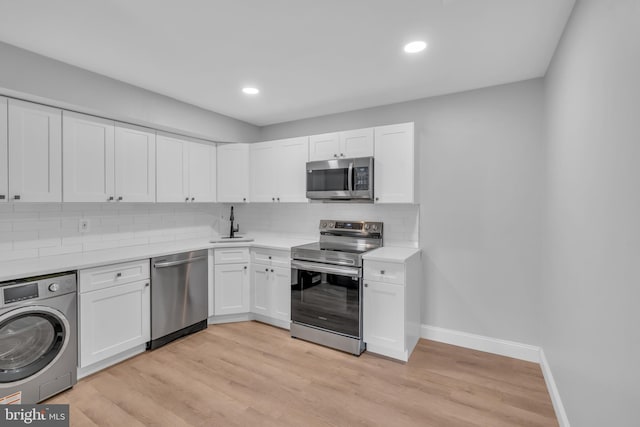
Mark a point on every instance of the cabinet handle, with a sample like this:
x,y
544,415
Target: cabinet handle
x,y
120,198
377,198
273,199
2,196
16,197
118,274
186,199
266,269
366,285
245,267
341,154
381,271
269,256
272,270
244,199
146,285
193,199
110,199
335,155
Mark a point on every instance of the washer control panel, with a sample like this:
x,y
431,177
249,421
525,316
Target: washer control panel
x,y
35,288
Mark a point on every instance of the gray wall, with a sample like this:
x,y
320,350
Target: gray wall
x,y
590,314
481,167
30,76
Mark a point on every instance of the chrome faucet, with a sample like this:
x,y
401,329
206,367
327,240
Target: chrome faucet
x,y
237,227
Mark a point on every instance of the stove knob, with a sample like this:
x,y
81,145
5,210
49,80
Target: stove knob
x,y
323,225
54,287
331,224
374,227
366,227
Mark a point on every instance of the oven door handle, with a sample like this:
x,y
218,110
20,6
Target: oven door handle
x,y
323,268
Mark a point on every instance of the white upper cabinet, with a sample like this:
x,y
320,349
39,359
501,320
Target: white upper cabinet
x,y
107,162
35,152
88,156
172,163
264,171
233,173
202,172
278,170
394,165
135,164
4,151
347,144
186,170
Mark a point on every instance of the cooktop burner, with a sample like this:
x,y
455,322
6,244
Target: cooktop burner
x,y
341,242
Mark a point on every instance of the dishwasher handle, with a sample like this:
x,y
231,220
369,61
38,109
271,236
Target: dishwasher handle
x,y
174,263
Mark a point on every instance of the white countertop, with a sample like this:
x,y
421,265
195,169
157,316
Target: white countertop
x,y
59,263
391,254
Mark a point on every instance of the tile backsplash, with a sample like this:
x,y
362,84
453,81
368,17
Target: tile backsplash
x,y
401,222
29,230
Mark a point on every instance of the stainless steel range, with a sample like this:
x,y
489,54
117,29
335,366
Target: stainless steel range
x,y
326,284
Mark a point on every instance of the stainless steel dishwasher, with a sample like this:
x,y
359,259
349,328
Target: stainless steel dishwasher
x,y
178,296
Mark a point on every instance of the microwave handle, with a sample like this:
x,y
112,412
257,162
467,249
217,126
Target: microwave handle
x,y
350,177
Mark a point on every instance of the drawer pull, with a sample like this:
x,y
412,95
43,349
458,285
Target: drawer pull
x,y
266,269
118,274
366,285
381,271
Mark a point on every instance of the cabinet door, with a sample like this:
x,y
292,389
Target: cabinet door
x,y
260,290
264,171
383,315
281,293
135,164
233,173
88,158
231,289
324,147
172,183
356,143
394,164
113,320
35,152
202,172
4,152
292,155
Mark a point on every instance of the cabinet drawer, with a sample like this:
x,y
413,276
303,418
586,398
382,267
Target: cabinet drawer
x,y
93,279
231,255
386,272
271,257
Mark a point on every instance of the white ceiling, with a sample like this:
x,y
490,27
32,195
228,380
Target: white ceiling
x,y
308,57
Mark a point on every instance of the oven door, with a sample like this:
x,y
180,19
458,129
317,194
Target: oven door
x,y
340,179
327,296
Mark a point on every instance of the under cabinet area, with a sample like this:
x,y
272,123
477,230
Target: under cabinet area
x,y
231,281
114,313
391,301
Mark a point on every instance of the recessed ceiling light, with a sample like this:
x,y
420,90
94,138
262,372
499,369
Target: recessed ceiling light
x,y
415,47
251,90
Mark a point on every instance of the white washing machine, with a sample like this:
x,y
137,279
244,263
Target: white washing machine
x,y
38,337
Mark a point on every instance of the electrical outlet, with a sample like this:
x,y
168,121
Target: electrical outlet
x,y
83,225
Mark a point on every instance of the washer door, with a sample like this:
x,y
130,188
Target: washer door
x,y
31,339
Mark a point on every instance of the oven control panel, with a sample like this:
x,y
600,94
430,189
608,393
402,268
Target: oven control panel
x,y
351,226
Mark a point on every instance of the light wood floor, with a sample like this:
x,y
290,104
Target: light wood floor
x,y
251,374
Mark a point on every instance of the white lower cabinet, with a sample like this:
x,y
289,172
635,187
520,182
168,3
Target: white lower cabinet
x,y
115,317
271,292
232,281
391,302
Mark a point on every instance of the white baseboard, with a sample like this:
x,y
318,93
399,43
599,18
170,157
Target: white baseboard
x,y
561,414
530,353
103,364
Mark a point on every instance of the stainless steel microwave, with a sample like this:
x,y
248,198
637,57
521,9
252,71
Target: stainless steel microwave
x,y
341,179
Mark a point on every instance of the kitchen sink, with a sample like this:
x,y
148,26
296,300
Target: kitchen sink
x,y
232,239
